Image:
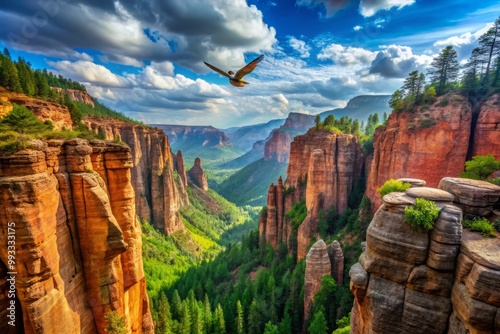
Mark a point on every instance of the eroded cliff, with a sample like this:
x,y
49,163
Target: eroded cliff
x,y
78,242
443,281
323,168
160,194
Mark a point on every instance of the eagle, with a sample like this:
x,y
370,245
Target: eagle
x,y
236,79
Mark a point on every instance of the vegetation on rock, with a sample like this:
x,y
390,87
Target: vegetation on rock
x,y
422,215
392,185
480,167
481,225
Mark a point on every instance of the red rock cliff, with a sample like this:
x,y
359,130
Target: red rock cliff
x,y
427,144
78,242
197,175
323,169
487,132
278,146
159,194
76,95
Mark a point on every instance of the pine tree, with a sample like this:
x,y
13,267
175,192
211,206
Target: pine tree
x,y
489,45
6,53
271,329
176,305
239,318
9,76
22,120
26,77
185,319
317,121
42,88
219,324
207,315
444,69
318,324
116,324
163,325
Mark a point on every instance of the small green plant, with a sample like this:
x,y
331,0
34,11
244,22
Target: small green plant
x,y
481,225
391,186
444,102
427,123
480,167
116,324
422,215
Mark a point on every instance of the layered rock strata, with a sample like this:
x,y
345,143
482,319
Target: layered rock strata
x,y
409,281
487,130
159,194
197,175
323,168
427,144
78,242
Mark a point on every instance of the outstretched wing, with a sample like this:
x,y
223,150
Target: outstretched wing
x,y
248,67
217,70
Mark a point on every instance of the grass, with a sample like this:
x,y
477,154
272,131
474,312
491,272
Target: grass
x,y
392,185
481,225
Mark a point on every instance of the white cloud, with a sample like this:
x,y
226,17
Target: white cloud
x,y
86,71
357,28
300,46
368,8
397,61
280,98
347,55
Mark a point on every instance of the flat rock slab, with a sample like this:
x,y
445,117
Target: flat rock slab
x,y
471,192
483,250
413,182
432,194
398,198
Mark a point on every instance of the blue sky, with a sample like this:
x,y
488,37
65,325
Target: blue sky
x,y
145,58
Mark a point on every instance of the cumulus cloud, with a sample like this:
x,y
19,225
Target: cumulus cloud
x,y
87,71
331,6
129,33
368,8
463,43
347,55
280,98
397,61
300,46
357,28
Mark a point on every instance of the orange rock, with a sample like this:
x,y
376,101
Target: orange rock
x,y
487,131
197,175
278,146
410,146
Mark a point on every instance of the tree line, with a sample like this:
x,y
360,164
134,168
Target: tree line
x,y
477,78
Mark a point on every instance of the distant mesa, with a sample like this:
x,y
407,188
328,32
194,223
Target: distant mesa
x,y
197,175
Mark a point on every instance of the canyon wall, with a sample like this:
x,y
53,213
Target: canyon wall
x,y
487,131
76,95
78,242
159,193
446,280
323,168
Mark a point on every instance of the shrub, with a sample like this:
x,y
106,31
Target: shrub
x,y
444,102
422,215
480,167
391,186
427,123
116,324
481,225
496,225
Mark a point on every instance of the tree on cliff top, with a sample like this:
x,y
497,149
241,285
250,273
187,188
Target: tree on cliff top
x,y
444,69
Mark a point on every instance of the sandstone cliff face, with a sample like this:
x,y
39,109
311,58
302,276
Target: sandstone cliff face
x,y
278,146
323,169
43,110
442,281
159,195
487,131
197,175
298,121
76,95
202,136
410,146
78,242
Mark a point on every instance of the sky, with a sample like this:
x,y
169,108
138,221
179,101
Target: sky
x,y
145,58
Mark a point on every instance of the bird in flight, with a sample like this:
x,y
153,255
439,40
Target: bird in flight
x,y
236,79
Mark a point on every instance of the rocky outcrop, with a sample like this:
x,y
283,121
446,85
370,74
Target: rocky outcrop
x,y
278,146
487,131
197,175
159,195
298,121
44,110
317,266
78,242
337,261
409,281
427,144
201,136
76,95
323,168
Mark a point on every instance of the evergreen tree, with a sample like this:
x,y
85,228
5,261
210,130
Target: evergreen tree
x,y
271,329
26,77
207,316
317,121
239,318
318,324
22,120
396,102
195,314
219,324
185,319
444,69
9,76
6,53
411,85
163,324
176,305
489,45
116,324
42,88
325,300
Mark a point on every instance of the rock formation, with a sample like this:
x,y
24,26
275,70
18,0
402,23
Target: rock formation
x,y
317,266
76,95
201,136
442,281
43,110
337,261
78,242
159,195
278,146
323,169
428,144
197,175
487,131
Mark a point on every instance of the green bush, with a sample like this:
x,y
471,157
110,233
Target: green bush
x,y
116,324
481,225
422,215
444,102
427,123
393,185
480,167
